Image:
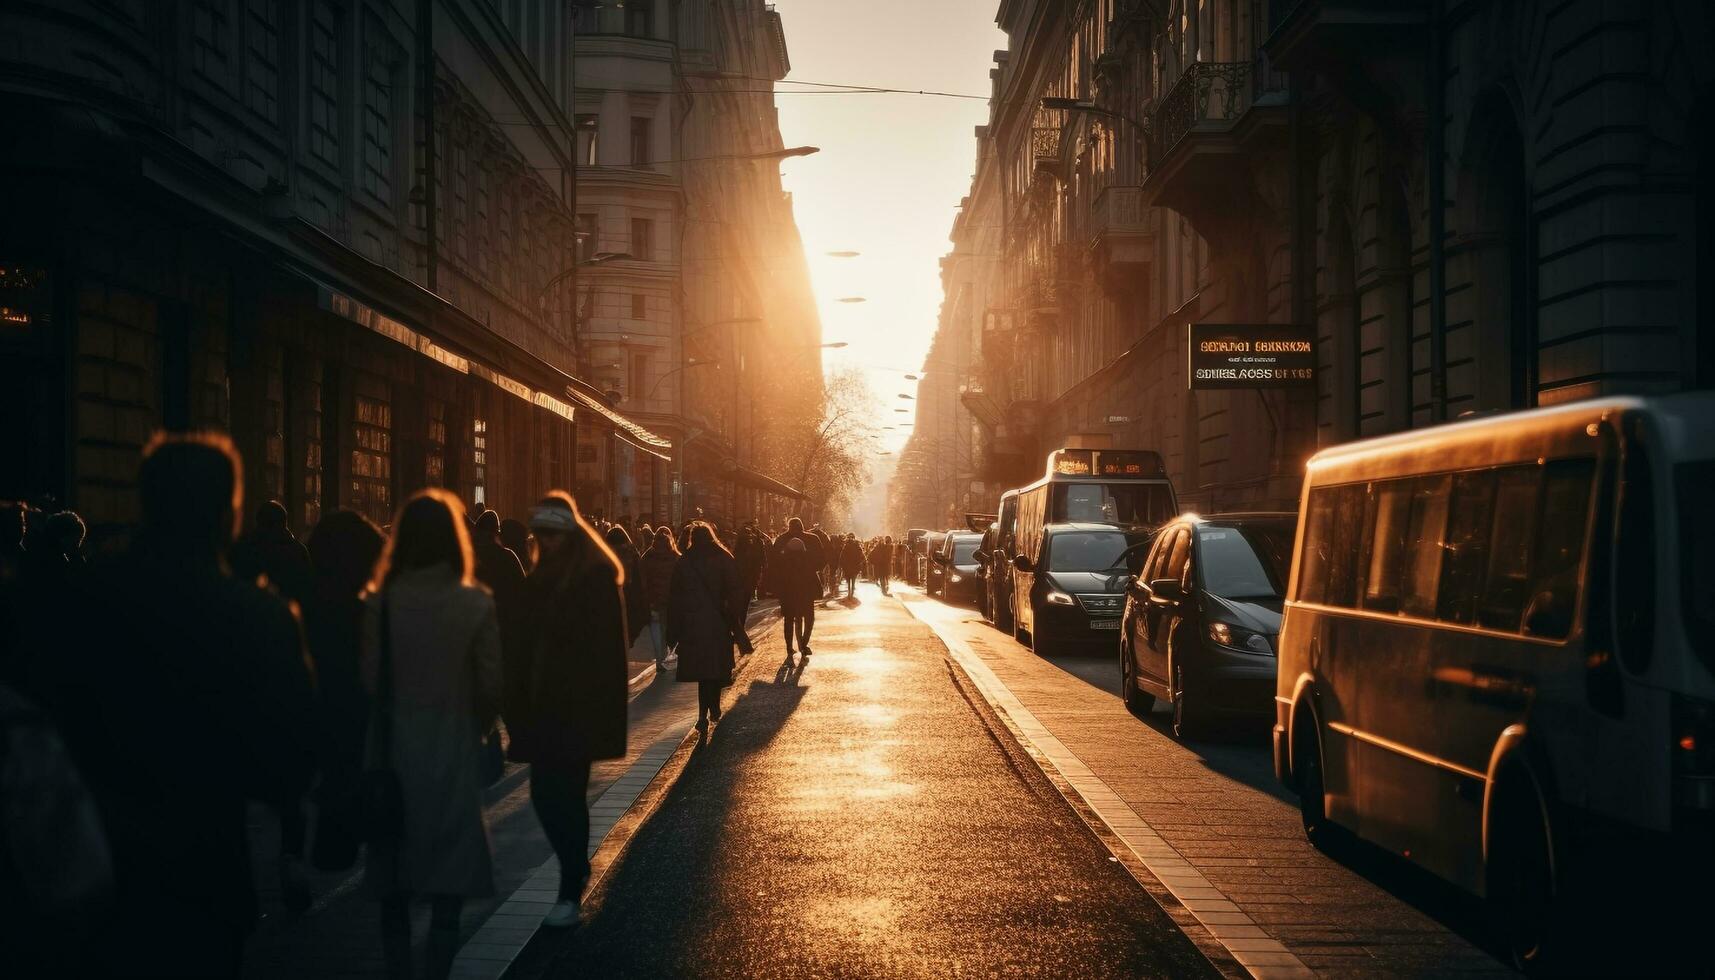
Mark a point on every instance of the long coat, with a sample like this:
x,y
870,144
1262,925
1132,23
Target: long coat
x,y
702,611
566,681
445,642
796,583
657,566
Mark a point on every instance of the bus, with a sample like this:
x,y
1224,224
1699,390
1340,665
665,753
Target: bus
x,y
1496,660
1126,488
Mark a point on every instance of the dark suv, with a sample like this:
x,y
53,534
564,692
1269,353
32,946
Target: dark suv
x,y
1202,617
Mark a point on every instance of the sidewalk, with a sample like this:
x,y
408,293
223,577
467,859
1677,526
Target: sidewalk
x,y
855,817
1218,834
340,935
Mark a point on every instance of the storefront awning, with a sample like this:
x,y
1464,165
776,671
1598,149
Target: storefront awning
x,y
760,481
624,428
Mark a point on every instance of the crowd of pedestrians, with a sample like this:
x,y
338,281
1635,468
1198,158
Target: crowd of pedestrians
x,y
366,684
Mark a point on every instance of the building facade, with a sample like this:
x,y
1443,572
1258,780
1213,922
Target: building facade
x,y
340,230
1243,161
694,300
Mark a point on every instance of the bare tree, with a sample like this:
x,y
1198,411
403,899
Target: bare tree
x,y
826,451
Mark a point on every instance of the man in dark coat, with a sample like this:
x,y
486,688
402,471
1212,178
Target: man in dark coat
x,y
750,561
881,560
702,617
814,543
565,683
270,549
185,697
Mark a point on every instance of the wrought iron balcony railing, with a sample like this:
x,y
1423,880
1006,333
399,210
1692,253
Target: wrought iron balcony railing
x,y
1209,92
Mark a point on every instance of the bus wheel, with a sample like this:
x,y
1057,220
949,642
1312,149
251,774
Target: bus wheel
x,y
1521,880
1136,702
1307,774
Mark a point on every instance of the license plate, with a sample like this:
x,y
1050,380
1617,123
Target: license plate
x,y
1104,624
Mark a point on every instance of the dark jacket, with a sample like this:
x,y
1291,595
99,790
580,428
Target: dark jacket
x,y
813,545
185,697
565,679
881,556
702,612
656,567
851,559
278,555
636,594
795,582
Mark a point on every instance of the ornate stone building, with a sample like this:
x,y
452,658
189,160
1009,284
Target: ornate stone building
x,y
340,229
1243,161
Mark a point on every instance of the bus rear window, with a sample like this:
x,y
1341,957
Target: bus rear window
x,y
1696,545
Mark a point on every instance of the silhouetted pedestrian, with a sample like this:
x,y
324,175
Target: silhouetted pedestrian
x,y
432,660
657,566
187,695
636,596
702,616
881,560
796,583
515,535
851,562
566,695
271,550
343,550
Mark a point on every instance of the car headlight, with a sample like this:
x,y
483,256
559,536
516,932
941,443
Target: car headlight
x,y
1228,635
955,577
1059,598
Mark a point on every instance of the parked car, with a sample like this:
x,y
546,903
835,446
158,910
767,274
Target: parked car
x,y
953,567
914,539
1075,585
930,544
1202,617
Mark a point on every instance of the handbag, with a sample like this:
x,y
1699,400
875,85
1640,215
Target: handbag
x,y
381,799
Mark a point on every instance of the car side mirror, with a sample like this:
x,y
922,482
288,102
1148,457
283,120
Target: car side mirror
x,y
1023,563
1167,590
982,557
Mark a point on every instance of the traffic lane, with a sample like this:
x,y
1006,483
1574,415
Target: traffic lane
x,y
1360,909
858,818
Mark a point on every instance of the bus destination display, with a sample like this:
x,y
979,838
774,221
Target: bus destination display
x,y
1251,355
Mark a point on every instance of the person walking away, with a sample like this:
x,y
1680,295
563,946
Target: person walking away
x,y
749,555
881,557
799,589
515,535
636,598
566,688
432,661
271,550
343,549
184,698
702,616
851,562
657,566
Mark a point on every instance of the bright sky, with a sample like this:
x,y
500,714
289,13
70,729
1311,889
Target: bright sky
x,y
891,172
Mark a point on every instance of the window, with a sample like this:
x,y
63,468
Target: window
x,y
1177,555
1423,544
1566,486
639,306
589,236
381,63
435,451
1634,556
638,389
323,99
642,239
262,58
211,40
588,127
1084,551
638,22
479,461
459,214
1328,573
372,457
479,216
640,155
586,17
1506,582
1467,543
1246,561
1113,503
1390,515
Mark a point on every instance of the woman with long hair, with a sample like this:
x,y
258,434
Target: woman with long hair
x,y
704,610
431,658
636,602
656,567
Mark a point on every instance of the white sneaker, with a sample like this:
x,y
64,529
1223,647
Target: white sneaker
x,y
563,914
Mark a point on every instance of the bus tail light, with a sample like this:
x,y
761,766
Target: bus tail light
x,y
1693,734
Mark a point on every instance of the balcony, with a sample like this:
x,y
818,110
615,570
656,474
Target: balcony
x,y
1210,138
1322,34
1045,148
1121,243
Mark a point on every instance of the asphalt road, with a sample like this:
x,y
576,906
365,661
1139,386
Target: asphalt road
x,y
857,818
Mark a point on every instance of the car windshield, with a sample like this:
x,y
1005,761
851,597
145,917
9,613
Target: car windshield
x,y
963,549
1246,561
1086,551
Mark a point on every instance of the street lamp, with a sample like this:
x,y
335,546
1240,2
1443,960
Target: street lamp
x,y
906,397
836,345
843,255
911,377
853,299
1087,105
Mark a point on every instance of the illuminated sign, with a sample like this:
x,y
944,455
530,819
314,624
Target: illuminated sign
x,y
1072,462
1137,464
1251,355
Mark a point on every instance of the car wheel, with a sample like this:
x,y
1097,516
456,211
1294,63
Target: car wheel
x,y
1136,701
1307,774
1188,719
1521,879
